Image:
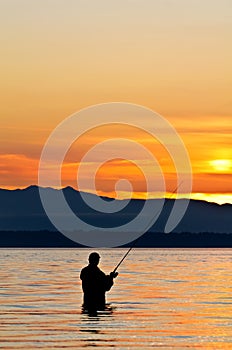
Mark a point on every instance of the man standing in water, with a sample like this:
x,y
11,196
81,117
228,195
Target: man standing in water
x,y
95,284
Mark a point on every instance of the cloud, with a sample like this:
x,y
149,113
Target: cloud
x,y
17,170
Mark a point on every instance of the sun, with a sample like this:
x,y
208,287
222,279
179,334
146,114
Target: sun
x,y
221,164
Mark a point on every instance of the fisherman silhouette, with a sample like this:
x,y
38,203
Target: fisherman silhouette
x,y
95,283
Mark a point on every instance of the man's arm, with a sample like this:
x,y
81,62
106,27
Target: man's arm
x,y
109,280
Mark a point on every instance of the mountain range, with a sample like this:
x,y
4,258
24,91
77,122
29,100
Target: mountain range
x,y
22,210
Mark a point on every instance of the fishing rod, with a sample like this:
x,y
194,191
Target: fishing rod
x,y
134,243
124,257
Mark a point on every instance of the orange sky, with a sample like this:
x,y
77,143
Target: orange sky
x,y
171,56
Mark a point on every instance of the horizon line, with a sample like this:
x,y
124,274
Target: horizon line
x,y
195,196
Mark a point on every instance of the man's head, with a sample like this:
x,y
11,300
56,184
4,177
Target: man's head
x,y
94,258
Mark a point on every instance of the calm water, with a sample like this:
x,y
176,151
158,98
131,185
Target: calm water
x,y
163,298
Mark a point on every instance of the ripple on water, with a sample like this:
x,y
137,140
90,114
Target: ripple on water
x,y
153,304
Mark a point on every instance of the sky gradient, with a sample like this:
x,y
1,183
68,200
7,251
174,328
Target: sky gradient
x,y
173,56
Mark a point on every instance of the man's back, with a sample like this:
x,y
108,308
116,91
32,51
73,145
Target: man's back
x,y
94,284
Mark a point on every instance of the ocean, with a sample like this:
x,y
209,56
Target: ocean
x,y
162,298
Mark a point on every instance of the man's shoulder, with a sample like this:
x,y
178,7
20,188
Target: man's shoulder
x,y
92,270
85,268
84,271
89,269
101,273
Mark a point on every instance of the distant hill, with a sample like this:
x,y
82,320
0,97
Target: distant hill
x,y
21,210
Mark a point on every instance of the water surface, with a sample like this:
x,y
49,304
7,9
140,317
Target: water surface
x,y
162,298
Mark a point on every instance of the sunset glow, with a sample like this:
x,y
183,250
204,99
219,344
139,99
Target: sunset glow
x,y
167,56
223,165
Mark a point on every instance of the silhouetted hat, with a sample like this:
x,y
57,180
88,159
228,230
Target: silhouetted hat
x,y
94,257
